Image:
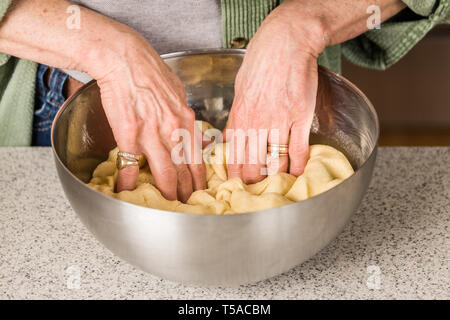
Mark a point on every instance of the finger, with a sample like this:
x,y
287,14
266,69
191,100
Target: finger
x,y
254,169
298,148
193,153
236,159
280,163
227,134
184,182
184,177
162,168
127,177
206,141
228,125
299,137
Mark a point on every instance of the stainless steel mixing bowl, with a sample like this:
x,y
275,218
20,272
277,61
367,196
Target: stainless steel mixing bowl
x,y
216,249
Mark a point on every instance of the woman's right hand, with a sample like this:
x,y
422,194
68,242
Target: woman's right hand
x,y
145,103
143,100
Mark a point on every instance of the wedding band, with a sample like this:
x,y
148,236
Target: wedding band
x,y
128,155
277,145
278,150
281,148
125,159
276,155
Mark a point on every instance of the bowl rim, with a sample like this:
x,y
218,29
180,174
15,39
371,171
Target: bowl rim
x,y
196,215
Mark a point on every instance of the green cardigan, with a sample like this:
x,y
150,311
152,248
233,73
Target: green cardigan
x,y
378,49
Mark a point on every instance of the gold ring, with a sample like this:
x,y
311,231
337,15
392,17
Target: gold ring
x,y
276,155
281,149
278,150
277,145
128,155
125,159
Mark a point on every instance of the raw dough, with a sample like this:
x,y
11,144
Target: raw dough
x,y
326,168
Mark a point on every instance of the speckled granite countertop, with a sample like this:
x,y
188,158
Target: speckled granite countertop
x,y
400,236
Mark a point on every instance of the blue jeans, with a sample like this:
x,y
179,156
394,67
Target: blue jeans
x,y
48,100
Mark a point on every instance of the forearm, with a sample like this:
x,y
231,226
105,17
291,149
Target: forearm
x,y
335,21
38,30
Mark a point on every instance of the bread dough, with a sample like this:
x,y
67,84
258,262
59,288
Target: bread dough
x,y
326,167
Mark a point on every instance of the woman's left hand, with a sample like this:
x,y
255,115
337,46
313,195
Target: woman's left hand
x,y
275,90
276,87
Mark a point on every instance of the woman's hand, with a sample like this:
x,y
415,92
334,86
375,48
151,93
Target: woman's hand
x,y
143,100
275,90
145,104
276,87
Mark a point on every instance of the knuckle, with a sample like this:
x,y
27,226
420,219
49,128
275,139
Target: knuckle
x,y
298,155
198,177
184,175
234,170
251,171
252,180
168,173
297,147
297,166
249,179
129,172
198,170
190,115
175,123
296,171
126,138
128,126
172,124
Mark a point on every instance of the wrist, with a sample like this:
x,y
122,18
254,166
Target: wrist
x,y
98,56
332,22
309,30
